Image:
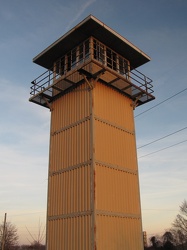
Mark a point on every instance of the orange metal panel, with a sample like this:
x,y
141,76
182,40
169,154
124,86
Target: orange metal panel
x,y
114,107
71,233
91,135
117,191
116,233
77,101
73,188
115,146
117,200
70,146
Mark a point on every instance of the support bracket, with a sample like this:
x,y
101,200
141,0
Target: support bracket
x,y
48,104
135,102
90,85
88,77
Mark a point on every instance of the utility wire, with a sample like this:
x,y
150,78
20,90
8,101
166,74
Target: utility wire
x,y
159,209
161,102
161,138
163,149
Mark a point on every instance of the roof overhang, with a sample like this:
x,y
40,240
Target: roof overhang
x,y
91,26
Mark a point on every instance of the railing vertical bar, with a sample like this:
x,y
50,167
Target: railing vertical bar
x,y
99,53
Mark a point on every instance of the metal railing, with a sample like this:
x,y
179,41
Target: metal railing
x,y
76,58
141,81
42,82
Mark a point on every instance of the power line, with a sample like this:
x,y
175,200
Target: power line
x,y
161,102
22,214
159,209
161,138
162,149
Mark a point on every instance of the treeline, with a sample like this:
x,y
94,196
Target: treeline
x,y
35,246
9,239
25,247
174,238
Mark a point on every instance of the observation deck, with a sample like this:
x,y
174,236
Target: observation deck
x,y
91,52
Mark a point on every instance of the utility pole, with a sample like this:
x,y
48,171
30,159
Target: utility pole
x,y
4,233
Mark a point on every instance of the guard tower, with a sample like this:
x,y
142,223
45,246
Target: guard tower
x,y
91,87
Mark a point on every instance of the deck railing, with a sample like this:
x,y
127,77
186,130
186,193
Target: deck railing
x,y
91,50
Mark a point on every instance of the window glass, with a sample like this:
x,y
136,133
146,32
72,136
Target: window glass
x,y
81,53
101,53
98,51
73,58
109,58
69,61
86,49
62,66
121,66
114,58
57,69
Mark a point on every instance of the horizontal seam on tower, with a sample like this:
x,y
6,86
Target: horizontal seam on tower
x,y
82,164
116,167
113,125
120,215
70,215
71,125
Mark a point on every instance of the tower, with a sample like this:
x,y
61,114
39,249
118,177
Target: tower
x,y
91,87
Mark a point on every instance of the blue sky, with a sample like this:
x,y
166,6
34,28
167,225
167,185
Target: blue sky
x,y
158,27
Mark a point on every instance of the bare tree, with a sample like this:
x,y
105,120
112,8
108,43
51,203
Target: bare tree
x,y
156,242
179,228
168,241
167,236
36,242
180,222
179,239
11,236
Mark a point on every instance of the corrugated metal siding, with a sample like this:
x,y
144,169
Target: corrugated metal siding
x,y
70,108
69,192
93,135
117,233
69,187
71,233
70,146
114,146
114,107
117,191
117,200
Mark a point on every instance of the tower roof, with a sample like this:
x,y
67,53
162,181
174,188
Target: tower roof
x,y
91,26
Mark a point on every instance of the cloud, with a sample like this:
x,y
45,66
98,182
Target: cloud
x,y
24,143
80,11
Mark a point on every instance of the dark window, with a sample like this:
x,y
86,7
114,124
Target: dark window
x,y
123,67
81,53
73,58
69,61
98,51
62,66
86,49
57,70
111,59
114,57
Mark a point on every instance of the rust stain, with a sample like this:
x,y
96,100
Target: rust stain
x,y
95,245
94,185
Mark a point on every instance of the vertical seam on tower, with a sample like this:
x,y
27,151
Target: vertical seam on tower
x,y
92,177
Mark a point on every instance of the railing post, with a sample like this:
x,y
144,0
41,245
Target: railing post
x,y
91,48
49,81
33,87
146,88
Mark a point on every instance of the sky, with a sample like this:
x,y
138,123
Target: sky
x,y
159,28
